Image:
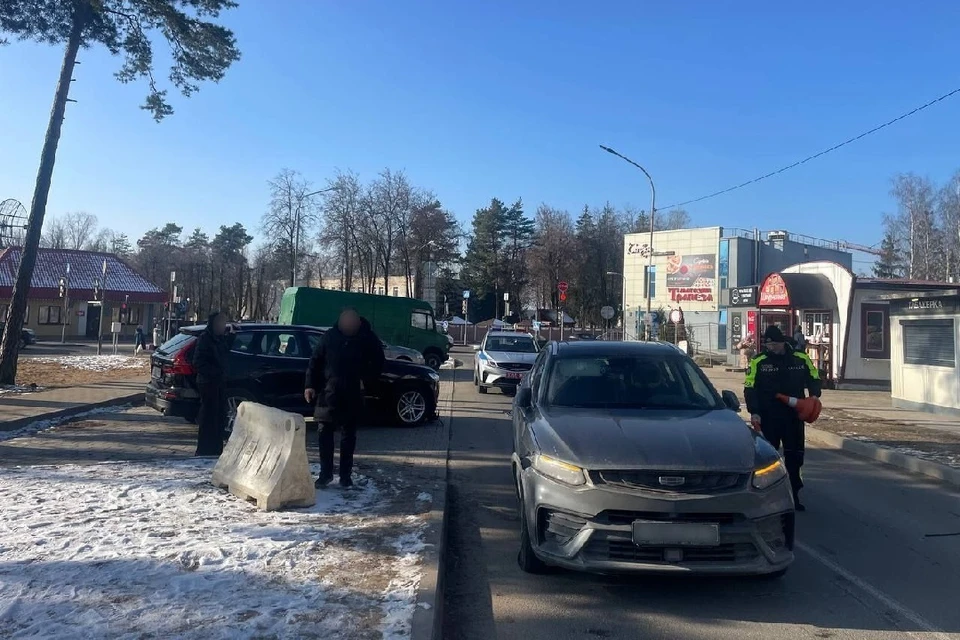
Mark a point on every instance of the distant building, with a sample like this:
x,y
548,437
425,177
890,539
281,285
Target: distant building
x,y
396,287
695,270
45,308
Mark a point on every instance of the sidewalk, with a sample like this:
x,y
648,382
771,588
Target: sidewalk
x,y
854,420
17,410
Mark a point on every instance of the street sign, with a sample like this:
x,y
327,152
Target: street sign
x,y
466,294
562,286
563,297
607,312
506,297
536,325
743,297
676,316
445,325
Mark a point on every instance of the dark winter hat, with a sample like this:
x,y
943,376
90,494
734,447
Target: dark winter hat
x,y
773,334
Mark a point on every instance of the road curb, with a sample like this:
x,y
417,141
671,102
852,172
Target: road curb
x,y
892,457
427,623
66,414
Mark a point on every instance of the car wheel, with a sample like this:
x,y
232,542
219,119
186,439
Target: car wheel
x,y
476,378
410,406
235,397
433,360
526,558
482,389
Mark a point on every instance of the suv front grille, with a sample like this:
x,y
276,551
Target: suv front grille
x,y
612,517
514,366
627,551
693,482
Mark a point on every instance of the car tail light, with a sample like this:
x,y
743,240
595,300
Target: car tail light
x,y
182,365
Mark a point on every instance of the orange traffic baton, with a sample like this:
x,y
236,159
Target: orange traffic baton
x,y
808,409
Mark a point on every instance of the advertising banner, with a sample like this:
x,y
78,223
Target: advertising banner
x,y
692,277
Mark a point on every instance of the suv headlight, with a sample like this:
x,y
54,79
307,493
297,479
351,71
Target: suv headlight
x,y
766,476
558,470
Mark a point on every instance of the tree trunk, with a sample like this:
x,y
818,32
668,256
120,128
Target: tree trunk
x,y
48,157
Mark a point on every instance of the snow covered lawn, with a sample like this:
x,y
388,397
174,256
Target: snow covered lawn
x,y
132,550
96,363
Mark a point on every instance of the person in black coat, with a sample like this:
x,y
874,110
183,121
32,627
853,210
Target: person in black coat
x,y
348,358
210,361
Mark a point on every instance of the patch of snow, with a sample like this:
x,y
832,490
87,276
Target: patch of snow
x,y
95,363
18,388
38,426
129,550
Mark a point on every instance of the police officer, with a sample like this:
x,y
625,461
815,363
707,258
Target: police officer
x,y
780,370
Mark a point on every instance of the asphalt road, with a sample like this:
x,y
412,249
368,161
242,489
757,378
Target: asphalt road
x,y
878,557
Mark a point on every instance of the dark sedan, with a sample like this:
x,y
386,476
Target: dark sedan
x,y
267,364
627,459
27,336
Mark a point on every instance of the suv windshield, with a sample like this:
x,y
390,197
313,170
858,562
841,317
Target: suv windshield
x,y
644,382
511,344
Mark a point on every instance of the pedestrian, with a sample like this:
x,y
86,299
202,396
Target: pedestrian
x,y
141,341
348,359
779,369
210,361
799,339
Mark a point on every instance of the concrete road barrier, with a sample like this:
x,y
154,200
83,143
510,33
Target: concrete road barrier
x,y
265,459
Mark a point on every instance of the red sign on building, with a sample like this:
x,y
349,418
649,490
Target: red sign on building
x,y
774,293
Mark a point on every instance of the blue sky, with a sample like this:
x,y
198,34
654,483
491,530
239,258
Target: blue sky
x,y
511,99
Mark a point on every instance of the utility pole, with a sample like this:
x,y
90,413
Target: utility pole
x,y
653,212
103,307
173,293
65,292
296,233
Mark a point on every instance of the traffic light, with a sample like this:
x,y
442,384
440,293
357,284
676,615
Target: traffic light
x,y
63,287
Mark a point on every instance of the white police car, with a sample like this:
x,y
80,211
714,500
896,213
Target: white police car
x,y
502,359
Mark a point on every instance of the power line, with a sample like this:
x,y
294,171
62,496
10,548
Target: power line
x,y
822,153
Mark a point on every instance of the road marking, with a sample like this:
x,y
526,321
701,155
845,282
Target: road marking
x,y
877,594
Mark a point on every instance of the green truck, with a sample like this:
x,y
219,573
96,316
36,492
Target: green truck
x,y
404,322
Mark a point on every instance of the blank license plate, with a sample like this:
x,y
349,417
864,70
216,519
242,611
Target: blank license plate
x,y
514,376
681,534
156,372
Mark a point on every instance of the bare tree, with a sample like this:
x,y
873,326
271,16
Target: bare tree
x,y
948,219
54,233
390,198
291,218
916,226
81,227
342,212
552,257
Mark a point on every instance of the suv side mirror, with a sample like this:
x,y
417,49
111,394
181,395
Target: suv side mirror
x,y
524,397
730,399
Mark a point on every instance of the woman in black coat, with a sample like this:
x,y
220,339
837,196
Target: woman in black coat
x,y
210,361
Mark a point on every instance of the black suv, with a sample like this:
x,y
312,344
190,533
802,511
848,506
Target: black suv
x,y
268,364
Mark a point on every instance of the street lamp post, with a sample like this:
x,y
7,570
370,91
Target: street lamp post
x,y
296,232
653,210
66,306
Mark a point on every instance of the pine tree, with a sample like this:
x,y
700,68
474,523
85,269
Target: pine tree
x,y
890,265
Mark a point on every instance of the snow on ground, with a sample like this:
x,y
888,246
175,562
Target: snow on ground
x,y
37,426
18,388
131,550
95,363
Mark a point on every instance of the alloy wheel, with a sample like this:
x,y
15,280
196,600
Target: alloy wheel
x,y
411,406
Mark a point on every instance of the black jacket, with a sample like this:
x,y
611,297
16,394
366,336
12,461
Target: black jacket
x,y
338,366
211,354
791,374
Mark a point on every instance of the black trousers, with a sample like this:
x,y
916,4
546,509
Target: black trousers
x,y
789,434
348,444
211,422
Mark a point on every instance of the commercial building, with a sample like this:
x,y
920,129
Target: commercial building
x,y
923,352
695,269
845,320
46,310
397,285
